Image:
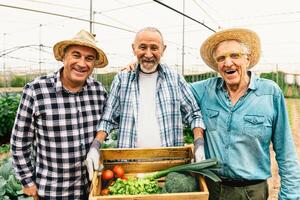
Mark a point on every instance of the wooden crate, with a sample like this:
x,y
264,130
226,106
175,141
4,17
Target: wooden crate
x,y
142,160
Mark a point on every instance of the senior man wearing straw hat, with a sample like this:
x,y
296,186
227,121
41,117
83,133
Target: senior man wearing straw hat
x,y
56,123
243,114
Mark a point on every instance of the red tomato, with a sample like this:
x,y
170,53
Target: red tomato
x,y
107,175
119,171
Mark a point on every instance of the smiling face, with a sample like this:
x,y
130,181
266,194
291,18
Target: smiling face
x,y
233,60
148,47
79,63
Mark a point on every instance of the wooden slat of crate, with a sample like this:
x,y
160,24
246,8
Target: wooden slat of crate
x,y
202,195
140,167
167,152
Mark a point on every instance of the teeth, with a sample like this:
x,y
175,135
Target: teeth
x,y
230,71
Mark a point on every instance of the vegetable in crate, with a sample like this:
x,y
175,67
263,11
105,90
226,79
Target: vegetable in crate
x,y
203,167
134,186
180,182
118,171
107,175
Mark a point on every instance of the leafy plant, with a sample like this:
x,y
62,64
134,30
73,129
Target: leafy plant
x,y
4,148
134,186
111,140
8,108
188,135
10,187
18,81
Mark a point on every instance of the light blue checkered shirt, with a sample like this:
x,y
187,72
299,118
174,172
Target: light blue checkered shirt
x,y
175,104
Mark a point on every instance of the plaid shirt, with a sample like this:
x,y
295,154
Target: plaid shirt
x,y
174,103
59,127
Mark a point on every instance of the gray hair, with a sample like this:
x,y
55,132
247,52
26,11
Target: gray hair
x,y
152,29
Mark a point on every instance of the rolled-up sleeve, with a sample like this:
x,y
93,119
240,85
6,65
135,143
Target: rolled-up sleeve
x,y
111,116
189,107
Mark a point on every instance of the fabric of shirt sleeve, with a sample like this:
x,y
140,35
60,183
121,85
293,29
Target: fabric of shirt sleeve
x,y
111,115
289,168
22,138
189,107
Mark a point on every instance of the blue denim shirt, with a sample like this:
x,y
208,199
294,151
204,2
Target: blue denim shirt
x,y
240,135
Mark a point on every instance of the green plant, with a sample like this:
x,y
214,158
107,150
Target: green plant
x,y
18,81
134,186
8,108
10,187
188,134
4,148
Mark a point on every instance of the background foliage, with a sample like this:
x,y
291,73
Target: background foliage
x,y
8,107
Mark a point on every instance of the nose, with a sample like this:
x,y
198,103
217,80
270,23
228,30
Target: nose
x,y
81,61
228,61
148,53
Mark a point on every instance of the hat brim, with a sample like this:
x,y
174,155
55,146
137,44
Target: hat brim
x,y
245,36
59,49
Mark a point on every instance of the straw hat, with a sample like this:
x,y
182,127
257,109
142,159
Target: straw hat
x,y
83,38
245,36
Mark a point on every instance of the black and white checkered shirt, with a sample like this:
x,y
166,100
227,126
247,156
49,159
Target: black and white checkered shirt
x,y
59,126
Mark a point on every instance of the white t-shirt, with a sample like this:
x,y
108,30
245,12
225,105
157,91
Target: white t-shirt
x,y
148,133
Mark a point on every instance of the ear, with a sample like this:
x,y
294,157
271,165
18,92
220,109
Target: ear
x,y
249,58
133,49
164,48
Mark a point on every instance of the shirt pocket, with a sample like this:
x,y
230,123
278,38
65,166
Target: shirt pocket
x,y
255,126
212,119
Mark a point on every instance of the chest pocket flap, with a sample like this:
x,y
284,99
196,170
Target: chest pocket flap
x,y
212,113
254,119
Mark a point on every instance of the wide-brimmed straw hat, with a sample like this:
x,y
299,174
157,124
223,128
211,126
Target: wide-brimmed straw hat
x,y
83,38
246,36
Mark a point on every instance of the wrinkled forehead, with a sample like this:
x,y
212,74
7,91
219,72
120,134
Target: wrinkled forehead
x,y
87,51
148,36
229,46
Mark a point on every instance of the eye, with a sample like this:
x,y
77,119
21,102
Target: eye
x,y
235,55
76,55
220,58
142,47
154,48
90,58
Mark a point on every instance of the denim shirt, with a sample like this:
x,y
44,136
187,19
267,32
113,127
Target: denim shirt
x,y
240,135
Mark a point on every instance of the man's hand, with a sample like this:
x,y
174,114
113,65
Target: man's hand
x,y
129,67
199,149
92,158
31,191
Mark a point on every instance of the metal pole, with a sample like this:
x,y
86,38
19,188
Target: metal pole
x,y
91,16
40,49
183,30
4,61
